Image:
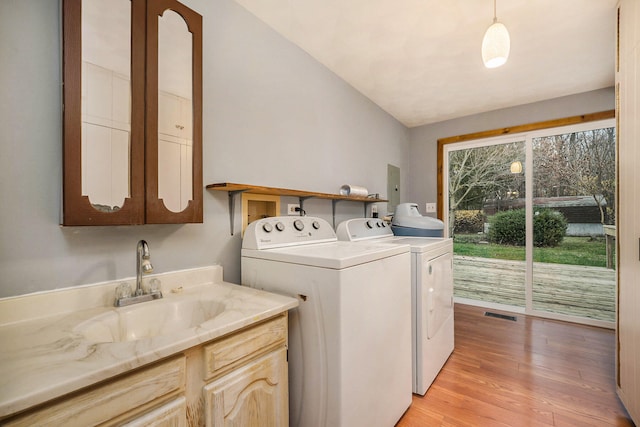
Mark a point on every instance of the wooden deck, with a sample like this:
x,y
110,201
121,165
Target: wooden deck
x,y
558,288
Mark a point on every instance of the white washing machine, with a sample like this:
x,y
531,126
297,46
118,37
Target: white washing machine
x,y
431,292
350,337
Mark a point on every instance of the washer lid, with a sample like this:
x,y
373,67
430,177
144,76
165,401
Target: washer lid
x,y
335,255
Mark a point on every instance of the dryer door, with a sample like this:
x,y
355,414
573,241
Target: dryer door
x,y
437,287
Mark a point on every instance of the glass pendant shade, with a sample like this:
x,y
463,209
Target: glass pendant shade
x,y
495,45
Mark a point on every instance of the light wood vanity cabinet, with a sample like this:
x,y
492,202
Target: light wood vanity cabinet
x,y
239,379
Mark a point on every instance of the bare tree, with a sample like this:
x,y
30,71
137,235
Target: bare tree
x,y
572,164
480,173
576,164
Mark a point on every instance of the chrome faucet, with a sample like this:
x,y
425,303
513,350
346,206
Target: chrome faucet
x,y
127,296
143,265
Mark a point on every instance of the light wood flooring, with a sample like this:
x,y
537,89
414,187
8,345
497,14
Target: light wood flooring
x,y
531,372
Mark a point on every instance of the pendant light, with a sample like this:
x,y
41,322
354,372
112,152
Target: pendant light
x,y
516,167
496,43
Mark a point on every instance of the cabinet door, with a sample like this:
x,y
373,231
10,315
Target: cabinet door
x,y
255,395
103,115
166,97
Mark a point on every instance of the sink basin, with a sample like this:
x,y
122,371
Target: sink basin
x,y
149,319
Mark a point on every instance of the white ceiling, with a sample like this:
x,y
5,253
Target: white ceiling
x,y
420,60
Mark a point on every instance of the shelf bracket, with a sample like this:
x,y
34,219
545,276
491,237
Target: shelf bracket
x,y
232,206
301,203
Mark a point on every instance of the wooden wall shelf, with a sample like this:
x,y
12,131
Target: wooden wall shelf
x,y
235,189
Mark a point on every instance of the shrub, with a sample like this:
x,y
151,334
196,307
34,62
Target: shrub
x,y
469,221
508,227
549,227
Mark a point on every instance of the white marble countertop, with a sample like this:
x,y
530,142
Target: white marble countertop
x,y
43,355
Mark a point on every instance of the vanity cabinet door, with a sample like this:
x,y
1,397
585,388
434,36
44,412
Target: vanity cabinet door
x,y
255,395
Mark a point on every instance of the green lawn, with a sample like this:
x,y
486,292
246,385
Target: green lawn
x,y
573,250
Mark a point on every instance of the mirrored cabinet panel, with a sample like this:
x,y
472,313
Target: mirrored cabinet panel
x,y
175,111
106,103
132,112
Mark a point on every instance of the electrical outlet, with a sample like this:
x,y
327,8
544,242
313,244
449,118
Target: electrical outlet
x,y
430,207
291,209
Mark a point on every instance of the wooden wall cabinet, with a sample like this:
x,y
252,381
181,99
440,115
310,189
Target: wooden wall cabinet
x,y
127,174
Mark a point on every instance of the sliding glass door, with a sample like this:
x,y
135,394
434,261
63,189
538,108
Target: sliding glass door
x,y
573,206
486,181
532,217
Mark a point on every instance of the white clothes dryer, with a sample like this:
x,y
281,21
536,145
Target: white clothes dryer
x,y
350,336
431,292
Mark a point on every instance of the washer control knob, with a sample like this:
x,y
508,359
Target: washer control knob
x,y
316,225
279,226
378,224
370,224
267,227
383,224
298,225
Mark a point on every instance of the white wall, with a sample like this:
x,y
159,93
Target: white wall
x,y
421,183
272,116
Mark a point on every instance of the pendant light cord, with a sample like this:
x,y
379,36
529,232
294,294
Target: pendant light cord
x,y
495,15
